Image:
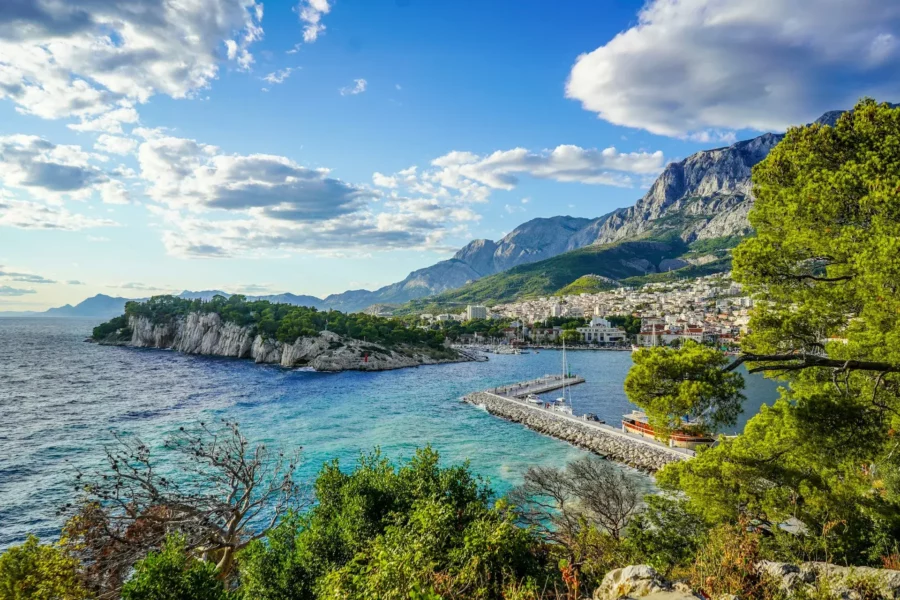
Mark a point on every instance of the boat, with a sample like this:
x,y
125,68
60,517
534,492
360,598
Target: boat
x,y
592,417
533,399
636,422
563,404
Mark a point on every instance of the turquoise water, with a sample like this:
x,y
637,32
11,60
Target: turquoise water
x,y
61,398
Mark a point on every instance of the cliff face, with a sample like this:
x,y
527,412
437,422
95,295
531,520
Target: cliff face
x,y
707,195
206,334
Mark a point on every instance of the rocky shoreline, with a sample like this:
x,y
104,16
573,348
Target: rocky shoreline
x,y
206,334
633,452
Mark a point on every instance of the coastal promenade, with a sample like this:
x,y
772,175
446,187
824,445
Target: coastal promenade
x,y
607,441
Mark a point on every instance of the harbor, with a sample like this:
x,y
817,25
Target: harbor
x,y
516,403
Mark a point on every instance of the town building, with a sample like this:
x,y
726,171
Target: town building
x,y
476,312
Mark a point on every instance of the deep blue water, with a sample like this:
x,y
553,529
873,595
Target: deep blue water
x,y
61,398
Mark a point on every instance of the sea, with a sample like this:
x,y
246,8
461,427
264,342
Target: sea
x,y
62,400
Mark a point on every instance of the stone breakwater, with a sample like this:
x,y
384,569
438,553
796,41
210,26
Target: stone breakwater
x,y
645,455
206,334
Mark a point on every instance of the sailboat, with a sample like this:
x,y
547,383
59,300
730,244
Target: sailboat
x,y
563,404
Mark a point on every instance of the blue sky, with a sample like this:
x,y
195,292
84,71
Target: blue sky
x,y
266,147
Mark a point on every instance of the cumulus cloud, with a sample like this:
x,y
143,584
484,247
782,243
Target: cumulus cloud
x,y
213,204
691,66
49,171
6,290
186,174
311,13
358,87
34,215
85,58
115,145
32,162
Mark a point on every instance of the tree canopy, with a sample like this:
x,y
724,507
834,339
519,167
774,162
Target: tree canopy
x,y
824,272
284,322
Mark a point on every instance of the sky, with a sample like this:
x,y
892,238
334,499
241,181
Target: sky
x,y
315,146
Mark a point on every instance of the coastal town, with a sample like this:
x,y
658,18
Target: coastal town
x,y
711,309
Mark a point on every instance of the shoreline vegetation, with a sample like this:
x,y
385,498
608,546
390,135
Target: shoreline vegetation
x,y
283,334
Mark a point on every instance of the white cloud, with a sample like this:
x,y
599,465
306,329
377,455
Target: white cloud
x,y
110,122
75,282
384,180
310,13
34,215
358,87
279,76
690,66
500,170
82,58
212,204
47,170
114,144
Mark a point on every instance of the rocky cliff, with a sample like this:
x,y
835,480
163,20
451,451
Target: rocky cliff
x,y
206,334
706,195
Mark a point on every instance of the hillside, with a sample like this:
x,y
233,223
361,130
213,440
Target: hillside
x,y
543,278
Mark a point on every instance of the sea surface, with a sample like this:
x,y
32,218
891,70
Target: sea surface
x,y
61,399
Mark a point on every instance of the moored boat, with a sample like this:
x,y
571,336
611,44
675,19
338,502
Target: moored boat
x,y
637,423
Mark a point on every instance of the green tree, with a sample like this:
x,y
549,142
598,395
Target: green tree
x,y
670,385
824,273
35,571
570,336
172,574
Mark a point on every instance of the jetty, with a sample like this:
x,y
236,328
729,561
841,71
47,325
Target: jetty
x,y
541,385
610,442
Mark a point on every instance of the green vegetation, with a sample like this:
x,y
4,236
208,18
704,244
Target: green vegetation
x,y
486,328
172,574
114,329
283,322
673,384
713,245
630,323
35,571
586,284
720,265
545,277
824,272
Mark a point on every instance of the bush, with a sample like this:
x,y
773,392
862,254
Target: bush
x,y
35,571
172,575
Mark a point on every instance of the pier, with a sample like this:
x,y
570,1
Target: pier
x,y
607,441
541,385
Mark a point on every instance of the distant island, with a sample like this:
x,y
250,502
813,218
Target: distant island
x,y
274,333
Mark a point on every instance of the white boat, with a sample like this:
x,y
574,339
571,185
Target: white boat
x,y
563,404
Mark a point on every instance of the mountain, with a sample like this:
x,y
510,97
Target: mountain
x,y
532,241
607,263
285,298
100,306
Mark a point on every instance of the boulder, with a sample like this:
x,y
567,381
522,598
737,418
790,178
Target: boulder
x,y
634,581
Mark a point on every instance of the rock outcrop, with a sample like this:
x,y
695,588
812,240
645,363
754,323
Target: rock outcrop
x,y
811,579
603,440
206,334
